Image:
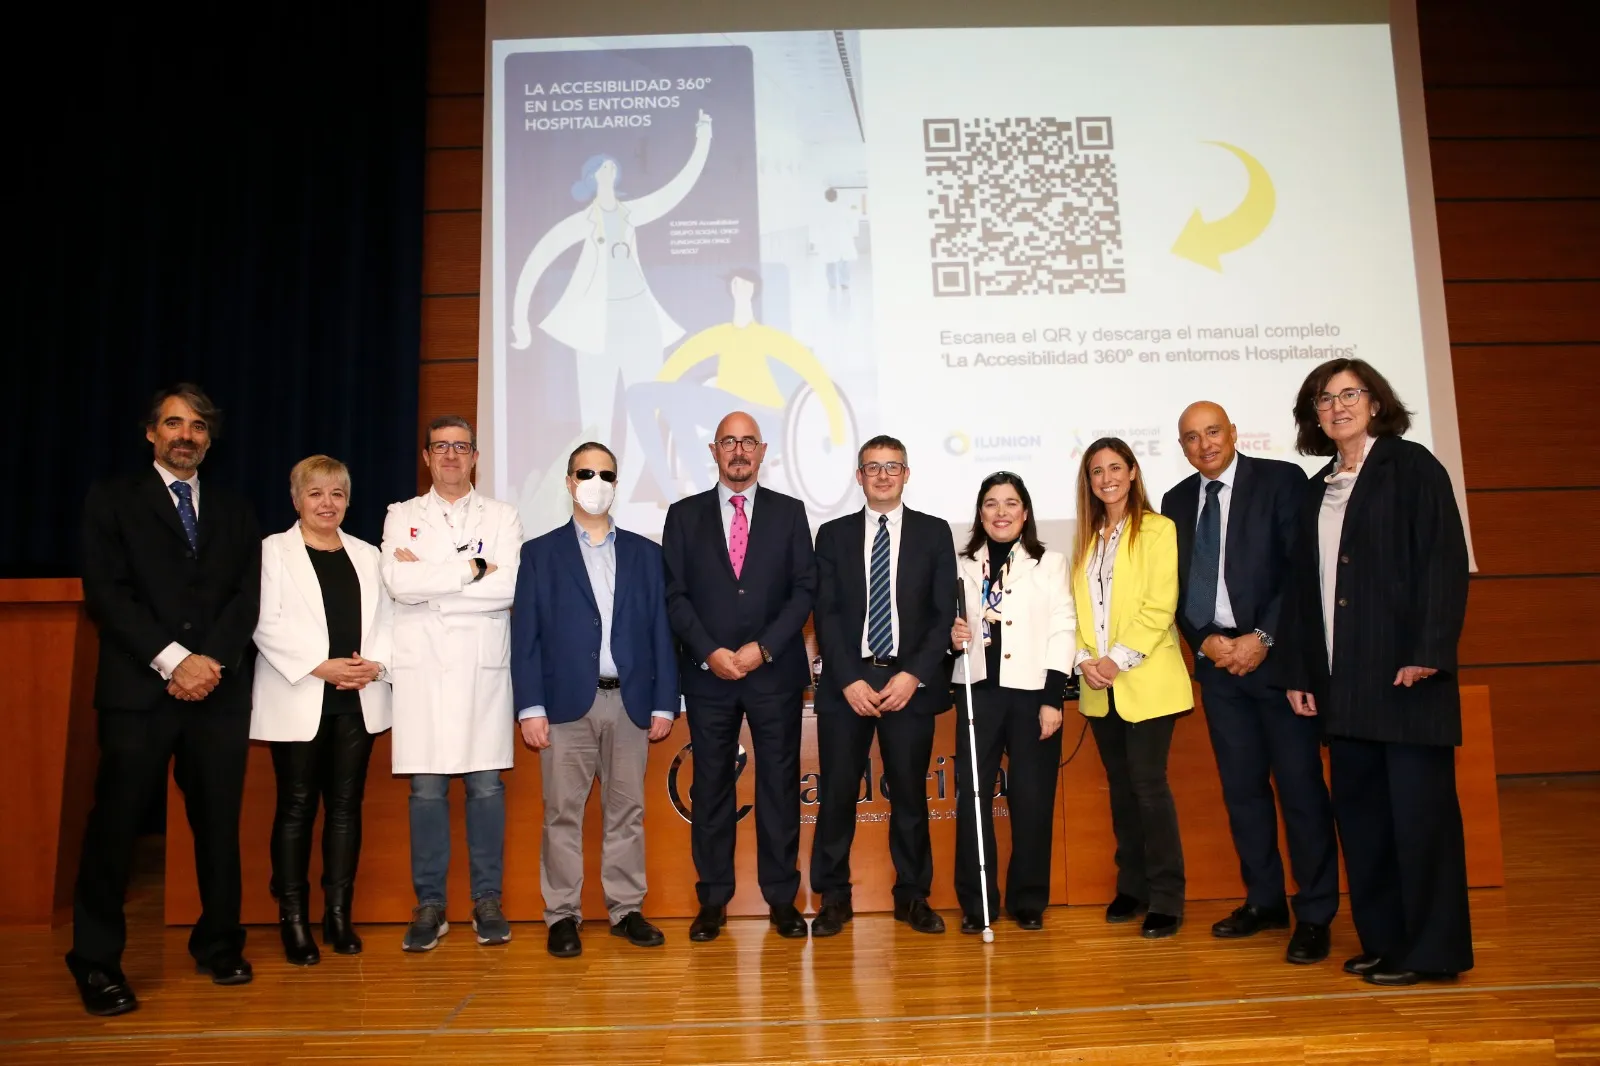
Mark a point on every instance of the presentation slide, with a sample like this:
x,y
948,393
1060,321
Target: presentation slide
x,y
996,245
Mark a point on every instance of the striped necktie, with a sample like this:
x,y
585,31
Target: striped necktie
x,y
880,626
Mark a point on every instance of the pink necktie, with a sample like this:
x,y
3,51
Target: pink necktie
x,y
738,536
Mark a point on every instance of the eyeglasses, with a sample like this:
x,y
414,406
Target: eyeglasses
x,y
1348,397
584,474
743,444
443,447
874,469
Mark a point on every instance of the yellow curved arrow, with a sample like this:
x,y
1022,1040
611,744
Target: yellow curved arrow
x,y
1207,242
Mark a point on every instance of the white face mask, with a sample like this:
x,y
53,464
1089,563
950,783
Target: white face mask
x,y
595,496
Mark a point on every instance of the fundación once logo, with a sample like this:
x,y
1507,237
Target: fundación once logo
x,y
941,779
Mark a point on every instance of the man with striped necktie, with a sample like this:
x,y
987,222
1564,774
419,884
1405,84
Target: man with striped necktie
x,y
886,579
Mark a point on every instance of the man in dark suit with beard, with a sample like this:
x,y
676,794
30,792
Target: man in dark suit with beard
x,y
172,579
740,581
886,582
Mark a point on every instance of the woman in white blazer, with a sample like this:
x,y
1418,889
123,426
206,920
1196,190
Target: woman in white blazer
x,y
321,693
1020,628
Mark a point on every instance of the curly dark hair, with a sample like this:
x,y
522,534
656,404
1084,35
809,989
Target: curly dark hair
x,y
1391,419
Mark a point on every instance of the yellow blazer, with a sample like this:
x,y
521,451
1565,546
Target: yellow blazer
x,y
1144,599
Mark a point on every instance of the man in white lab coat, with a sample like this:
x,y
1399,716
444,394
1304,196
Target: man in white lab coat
x,y
450,561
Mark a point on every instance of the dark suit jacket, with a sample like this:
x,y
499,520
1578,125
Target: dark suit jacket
x,y
1262,515
555,629
145,589
768,603
924,600
1401,595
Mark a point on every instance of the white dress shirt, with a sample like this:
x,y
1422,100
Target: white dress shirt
x,y
1102,569
896,520
174,653
724,496
1330,529
1223,614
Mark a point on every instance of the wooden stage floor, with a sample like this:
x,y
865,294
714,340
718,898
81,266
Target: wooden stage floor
x,y
1078,991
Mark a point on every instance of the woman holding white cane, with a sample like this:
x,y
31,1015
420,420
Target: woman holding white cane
x,y
1125,576
1019,639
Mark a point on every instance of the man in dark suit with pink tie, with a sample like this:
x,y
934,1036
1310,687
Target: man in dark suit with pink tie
x,y
740,582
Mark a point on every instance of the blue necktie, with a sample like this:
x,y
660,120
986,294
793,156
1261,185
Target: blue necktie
x,y
1200,604
191,525
880,626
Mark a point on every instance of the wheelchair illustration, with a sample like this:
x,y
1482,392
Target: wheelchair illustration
x,y
802,458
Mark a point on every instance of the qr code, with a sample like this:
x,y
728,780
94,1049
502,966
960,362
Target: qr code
x,y
1023,206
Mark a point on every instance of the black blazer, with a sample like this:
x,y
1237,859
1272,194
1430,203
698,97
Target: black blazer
x,y
924,599
1402,599
145,589
1262,516
768,603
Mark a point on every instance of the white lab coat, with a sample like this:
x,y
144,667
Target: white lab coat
x,y
578,319
1037,613
452,635
292,639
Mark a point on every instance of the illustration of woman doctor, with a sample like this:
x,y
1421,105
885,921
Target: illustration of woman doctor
x,y
607,313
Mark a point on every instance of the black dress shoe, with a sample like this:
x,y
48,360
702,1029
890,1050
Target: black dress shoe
x,y
917,914
1360,965
226,967
707,925
1124,908
1029,919
298,946
563,941
1249,920
831,920
1393,977
786,919
638,932
971,924
106,996
1308,945
1158,925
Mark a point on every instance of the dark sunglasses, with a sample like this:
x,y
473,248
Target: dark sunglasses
x,y
584,474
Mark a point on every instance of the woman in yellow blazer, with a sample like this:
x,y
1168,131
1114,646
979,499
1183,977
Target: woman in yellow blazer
x,y
1125,584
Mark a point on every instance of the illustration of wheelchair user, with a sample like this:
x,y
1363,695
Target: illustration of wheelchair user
x,y
808,423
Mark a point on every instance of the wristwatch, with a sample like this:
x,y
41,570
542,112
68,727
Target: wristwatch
x,y
1265,638
481,565
766,656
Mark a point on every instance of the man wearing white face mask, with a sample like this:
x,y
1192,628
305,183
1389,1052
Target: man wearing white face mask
x,y
595,679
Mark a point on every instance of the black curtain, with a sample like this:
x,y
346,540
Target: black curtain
x,y
226,195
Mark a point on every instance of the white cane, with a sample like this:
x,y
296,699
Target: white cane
x,y
972,752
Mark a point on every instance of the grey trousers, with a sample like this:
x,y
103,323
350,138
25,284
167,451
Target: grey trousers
x,y
607,743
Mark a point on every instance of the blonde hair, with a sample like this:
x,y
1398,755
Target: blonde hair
x,y
317,466
1092,511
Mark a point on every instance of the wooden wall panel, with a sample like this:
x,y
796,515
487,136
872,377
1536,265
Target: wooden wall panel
x,y
1506,42
1514,111
448,389
1521,426
1533,532
1509,313
1541,169
1492,240
455,122
1546,718
455,47
449,328
450,243
454,180
1532,620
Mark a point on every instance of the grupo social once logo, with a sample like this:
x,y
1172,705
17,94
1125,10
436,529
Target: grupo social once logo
x,y
679,796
